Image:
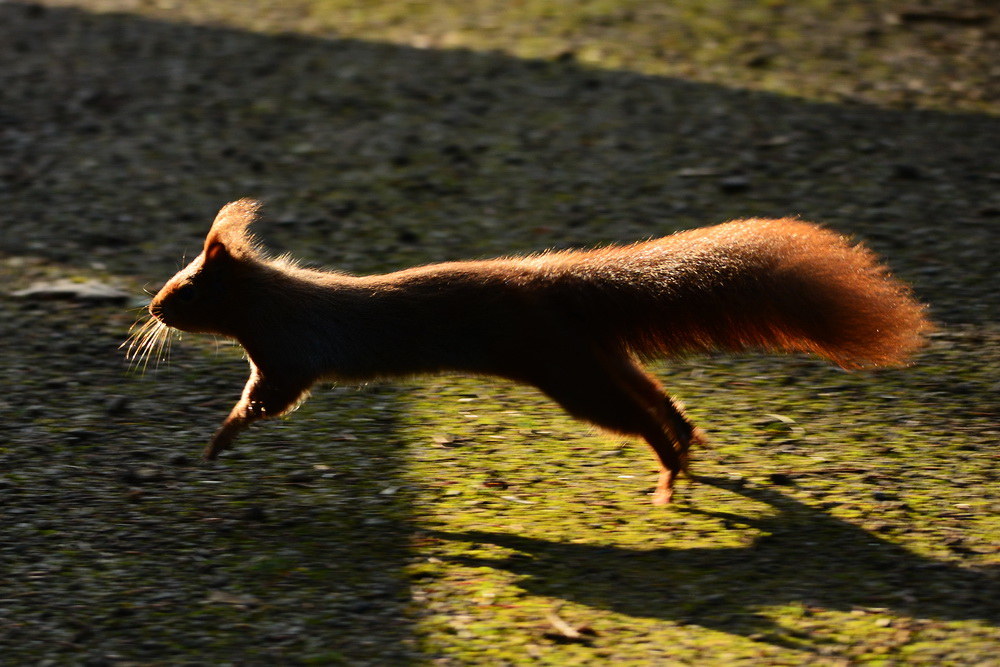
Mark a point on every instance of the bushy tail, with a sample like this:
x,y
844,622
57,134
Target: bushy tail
x,y
781,285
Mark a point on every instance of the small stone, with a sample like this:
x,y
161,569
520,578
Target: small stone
x,y
909,172
254,513
116,405
88,290
235,599
79,436
300,477
149,475
781,479
734,184
179,459
140,475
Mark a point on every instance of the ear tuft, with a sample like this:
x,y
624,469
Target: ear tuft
x,y
229,231
236,216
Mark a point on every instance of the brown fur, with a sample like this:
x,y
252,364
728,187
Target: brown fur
x,y
572,323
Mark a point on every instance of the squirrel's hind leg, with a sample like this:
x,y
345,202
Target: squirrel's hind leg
x,y
615,394
680,429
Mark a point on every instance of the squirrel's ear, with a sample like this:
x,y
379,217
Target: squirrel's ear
x,y
215,249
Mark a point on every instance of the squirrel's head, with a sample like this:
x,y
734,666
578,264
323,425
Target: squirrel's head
x,y
200,298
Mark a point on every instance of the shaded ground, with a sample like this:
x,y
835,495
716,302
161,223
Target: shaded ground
x,y
842,518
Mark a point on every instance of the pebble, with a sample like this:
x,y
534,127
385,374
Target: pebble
x,y
179,459
734,184
781,479
140,475
65,288
300,477
254,513
116,405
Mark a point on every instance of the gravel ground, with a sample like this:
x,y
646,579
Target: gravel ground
x,y
124,126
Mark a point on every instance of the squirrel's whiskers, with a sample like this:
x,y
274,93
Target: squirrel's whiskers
x,y
148,338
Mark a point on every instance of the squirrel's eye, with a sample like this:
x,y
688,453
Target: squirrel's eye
x,y
186,293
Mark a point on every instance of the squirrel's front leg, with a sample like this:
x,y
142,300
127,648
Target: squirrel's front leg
x,y
263,397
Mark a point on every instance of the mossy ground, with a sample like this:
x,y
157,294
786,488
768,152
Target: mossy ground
x,y
835,519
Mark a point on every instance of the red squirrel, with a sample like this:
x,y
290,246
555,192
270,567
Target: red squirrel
x,y
573,323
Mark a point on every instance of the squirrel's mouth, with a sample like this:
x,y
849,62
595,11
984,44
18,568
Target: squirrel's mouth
x,y
158,313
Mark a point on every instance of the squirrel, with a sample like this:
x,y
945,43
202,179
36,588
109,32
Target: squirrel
x,y
576,324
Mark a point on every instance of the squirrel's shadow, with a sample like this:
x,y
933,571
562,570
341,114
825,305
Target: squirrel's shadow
x,y
803,557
